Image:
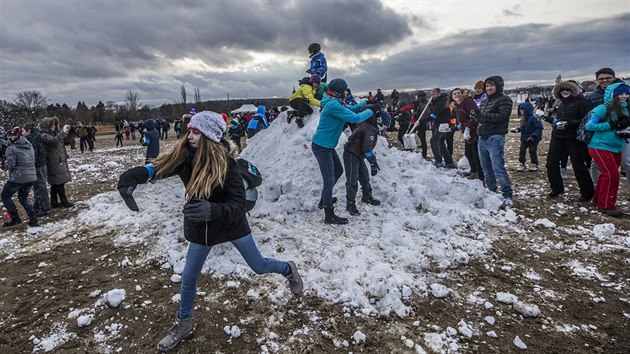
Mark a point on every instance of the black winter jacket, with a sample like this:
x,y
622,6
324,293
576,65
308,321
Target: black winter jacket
x,y
228,220
495,111
363,140
572,111
438,107
35,138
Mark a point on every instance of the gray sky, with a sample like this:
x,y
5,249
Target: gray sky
x,y
95,50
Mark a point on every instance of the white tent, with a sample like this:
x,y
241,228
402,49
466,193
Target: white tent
x,y
246,108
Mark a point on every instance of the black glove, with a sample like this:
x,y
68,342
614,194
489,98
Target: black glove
x,y
127,183
374,168
198,210
615,125
624,122
127,195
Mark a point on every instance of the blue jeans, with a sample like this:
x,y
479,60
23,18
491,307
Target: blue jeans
x,y
493,165
355,171
22,189
330,168
438,146
196,257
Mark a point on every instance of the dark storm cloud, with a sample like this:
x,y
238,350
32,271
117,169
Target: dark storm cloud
x,y
520,53
98,50
70,41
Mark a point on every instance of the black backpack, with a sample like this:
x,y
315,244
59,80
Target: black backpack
x,y
584,135
252,178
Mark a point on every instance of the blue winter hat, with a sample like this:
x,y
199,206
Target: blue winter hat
x,y
621,89
193,111
338,85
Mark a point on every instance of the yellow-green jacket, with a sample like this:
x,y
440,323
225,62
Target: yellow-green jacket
x,y
306,91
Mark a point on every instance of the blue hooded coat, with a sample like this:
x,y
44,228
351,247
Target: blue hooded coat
x,y
258,122
533,127
605,138
332,118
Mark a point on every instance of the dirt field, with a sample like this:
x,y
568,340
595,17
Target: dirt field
x,y
580,280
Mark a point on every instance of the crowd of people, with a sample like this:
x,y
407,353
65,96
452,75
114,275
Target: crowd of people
x,y
204,157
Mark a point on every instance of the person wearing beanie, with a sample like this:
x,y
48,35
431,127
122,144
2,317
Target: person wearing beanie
x,y
56,161
150,139
334,114
607,146
479,93
20,163
494,118
302,99
572,107
258,122
214,212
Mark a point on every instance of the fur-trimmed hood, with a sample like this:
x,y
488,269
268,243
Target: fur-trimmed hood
x,y
49,125
575,90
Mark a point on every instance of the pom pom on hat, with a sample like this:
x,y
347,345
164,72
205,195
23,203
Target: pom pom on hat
x,y
621,89
479,84
210,124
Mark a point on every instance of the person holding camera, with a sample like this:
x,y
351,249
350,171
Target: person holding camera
x,y
213,214
568,116
56,161
607,121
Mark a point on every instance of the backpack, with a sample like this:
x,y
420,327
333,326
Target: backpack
x,y
584,135
252,178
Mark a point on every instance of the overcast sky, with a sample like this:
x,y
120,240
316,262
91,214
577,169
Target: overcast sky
x,y
95,50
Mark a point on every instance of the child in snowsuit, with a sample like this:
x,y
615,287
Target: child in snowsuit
x,y
214,212
302,99
235,133
151,140
318,64
360,146
531,133
258,122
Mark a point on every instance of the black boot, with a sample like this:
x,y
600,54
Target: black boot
x,y
351,208
54,201
64,200
15,220
331,218
300,122
32,219
368,199
321,202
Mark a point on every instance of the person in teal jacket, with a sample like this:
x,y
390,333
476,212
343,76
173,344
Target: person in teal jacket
x,y
606,145
333,116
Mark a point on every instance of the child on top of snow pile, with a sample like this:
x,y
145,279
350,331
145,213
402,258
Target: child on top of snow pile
x,y
302,99
360,146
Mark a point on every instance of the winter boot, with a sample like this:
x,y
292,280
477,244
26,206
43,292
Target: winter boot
x,y
473,175
182,329
300,122
321,202
54,202
521,167
368,199
331,218
533,168
32,219
351,208
294,278
64,200
15,220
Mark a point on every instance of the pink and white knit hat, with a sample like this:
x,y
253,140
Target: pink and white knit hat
x,y
210,124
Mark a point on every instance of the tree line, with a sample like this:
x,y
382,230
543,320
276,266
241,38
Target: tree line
x,y
30,106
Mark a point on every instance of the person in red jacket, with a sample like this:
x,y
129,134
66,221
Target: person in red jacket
x,y
466,106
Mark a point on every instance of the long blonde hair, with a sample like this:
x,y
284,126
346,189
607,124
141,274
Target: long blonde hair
x,y
209,166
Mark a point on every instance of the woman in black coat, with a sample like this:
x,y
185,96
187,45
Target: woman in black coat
x,y
214,212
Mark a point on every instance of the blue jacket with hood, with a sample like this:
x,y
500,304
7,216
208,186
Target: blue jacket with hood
x,y
332,118
258,122
533,127
605,138
151,139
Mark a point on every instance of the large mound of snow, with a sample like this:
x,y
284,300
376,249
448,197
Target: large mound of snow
x,y
430,219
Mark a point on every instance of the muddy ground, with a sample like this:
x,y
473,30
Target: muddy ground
x,y
580,283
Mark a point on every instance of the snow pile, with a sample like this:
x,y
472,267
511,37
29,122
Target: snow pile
x,y
429,220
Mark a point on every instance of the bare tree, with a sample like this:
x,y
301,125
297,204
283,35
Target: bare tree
x,y
30,100
183,90
197,95
132,99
